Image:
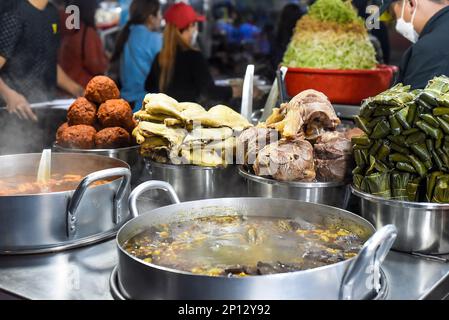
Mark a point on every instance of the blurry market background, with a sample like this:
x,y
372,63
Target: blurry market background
x,y
234,35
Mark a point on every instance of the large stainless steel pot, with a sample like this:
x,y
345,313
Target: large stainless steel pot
x,y
196,183
422,227
335,194
130,155
350,279
60,220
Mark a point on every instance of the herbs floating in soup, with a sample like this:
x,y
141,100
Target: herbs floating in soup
x,y
243,246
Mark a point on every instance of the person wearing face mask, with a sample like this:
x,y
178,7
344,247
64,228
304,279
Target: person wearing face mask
x,y
180,70
426,24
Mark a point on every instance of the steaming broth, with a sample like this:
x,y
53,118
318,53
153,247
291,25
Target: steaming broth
x,y
242,246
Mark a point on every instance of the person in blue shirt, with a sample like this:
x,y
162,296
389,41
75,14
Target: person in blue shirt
x,y
137,46
124,15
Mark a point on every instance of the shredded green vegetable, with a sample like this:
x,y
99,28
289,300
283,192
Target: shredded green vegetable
x,y
331,36
333,10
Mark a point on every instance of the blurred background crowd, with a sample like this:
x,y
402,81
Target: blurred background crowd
x,y
45,54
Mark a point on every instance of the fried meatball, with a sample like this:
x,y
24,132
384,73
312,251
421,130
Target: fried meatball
x,y
131,125
61,129
115,113
82,111
78,137
101,89
111,138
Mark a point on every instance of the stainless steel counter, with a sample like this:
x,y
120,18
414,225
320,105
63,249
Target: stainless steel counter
x,y
84,274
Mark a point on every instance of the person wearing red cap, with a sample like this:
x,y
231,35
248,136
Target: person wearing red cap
x,y
180,70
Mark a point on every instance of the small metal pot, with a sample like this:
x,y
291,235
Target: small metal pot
x,y
55,221
350,279
335,194
196,183
422,227
130,155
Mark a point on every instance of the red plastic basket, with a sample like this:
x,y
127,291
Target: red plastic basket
x,y
341,86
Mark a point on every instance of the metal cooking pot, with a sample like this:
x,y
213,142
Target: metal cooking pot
x,y
130,155
422,227
335,194
56,221
196,183
344,280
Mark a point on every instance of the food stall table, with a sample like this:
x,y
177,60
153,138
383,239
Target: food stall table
x,y
83,274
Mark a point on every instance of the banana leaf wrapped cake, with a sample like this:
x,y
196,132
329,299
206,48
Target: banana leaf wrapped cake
x,y
404,151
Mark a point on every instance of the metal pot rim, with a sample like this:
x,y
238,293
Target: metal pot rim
x,y
46,194
292,184
93,151
272,276
399,203
183,166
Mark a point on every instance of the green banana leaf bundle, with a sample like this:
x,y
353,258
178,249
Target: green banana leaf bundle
x,y
405,141
398,183
440,193
377,184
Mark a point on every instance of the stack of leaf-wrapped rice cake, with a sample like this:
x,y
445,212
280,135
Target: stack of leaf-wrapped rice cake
x,y
404,154
185,133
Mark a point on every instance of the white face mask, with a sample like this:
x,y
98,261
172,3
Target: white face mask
x,y
195,37
406,28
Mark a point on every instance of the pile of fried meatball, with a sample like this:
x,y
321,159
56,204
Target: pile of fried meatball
x,y
99,120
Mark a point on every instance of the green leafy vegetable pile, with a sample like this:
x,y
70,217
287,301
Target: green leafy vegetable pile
x,y
331,36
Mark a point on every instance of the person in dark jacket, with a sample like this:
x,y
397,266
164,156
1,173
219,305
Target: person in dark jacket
x,y
426,24
290,15
29,69
180,70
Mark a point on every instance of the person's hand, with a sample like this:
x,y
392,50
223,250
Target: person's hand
x,y
77,91
18,104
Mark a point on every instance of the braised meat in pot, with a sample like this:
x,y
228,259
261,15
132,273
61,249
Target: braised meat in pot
x,y
286,161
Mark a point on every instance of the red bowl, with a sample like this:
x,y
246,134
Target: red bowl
x,y
341,86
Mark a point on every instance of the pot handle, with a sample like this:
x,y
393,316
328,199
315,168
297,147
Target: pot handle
x,y
147,186
85,183
373,254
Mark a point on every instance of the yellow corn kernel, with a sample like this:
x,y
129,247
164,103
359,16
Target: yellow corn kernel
x,y
215,272
196,270
163,234
342,233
